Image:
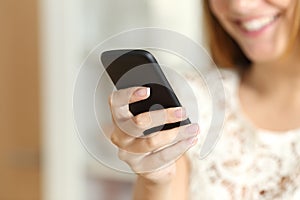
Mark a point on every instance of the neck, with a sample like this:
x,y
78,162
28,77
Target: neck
x,y
280,75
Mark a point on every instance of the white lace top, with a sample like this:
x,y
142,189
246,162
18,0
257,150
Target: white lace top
x,y
247,162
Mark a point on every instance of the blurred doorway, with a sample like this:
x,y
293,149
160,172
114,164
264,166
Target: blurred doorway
x,y
19,102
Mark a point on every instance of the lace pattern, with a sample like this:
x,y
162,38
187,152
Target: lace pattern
x,y
247,163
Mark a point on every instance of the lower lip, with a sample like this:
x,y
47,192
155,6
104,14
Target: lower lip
x,y
258,32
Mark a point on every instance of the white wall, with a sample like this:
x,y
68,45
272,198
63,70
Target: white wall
x,y
60,55
177,15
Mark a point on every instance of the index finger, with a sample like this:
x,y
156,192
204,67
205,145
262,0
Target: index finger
x,y
126,96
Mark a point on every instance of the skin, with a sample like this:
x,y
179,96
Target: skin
x,y
270,43
269,95
270,89
160,166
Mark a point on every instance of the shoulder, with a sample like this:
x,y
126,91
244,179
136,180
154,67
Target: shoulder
x,y
231,81
229,76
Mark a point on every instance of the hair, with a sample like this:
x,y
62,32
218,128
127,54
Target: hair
x,y
224,49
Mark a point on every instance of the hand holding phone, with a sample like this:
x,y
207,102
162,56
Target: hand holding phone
x,y
133,106
132,68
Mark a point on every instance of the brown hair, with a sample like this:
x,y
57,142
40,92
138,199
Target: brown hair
x,y
224,50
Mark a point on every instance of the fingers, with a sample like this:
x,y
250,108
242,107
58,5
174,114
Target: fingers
x,y
130,95
157,150
165,157
119,101
136,125
155,141
159,117
145,163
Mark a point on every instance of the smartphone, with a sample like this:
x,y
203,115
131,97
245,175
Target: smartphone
x,y
137,67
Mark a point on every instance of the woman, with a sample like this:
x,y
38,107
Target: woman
x,y
258,154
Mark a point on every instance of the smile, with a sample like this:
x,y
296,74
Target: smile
x,y
258,23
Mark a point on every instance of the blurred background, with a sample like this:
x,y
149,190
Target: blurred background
x,y
42,44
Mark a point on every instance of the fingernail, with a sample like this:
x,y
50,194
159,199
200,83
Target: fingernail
x,y
193,140
180,113
142,92
193,128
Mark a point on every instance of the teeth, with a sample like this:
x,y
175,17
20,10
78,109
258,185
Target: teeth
x,y
256,24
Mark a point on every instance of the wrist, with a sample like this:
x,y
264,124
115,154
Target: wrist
x,y
148,189
157,181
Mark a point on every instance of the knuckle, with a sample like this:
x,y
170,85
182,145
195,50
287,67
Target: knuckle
x,y
115,140
137,168
122,155
173,118
129,93
111,99
175,134
121,112
162,116
151,143
142,121
170,115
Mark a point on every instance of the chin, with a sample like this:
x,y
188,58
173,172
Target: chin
x,y
264,56
265,61
264,53
262,59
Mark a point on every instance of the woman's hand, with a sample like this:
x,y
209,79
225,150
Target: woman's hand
x,y
152,157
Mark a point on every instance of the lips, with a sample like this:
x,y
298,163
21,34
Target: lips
x,y
257,24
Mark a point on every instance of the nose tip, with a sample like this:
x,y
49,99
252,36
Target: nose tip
x,y
243,6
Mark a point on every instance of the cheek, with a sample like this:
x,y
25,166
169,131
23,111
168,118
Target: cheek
x,y
282,4
219,8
